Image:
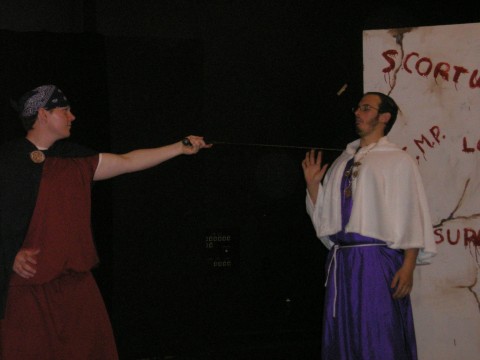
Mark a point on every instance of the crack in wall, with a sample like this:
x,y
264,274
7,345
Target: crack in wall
x,y
398,34
474,293
452,217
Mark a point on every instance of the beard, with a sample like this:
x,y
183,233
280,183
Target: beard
x,y
370,126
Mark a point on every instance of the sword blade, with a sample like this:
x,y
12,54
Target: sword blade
x,y
215,142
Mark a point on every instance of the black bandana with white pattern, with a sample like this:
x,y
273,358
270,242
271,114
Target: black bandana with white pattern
x,y
45,96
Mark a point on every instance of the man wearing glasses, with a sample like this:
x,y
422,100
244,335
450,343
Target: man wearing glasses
x,y
371,211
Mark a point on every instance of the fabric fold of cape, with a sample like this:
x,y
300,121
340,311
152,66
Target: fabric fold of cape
x,y
19,183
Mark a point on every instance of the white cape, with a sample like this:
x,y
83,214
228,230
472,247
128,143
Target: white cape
x,y
389,201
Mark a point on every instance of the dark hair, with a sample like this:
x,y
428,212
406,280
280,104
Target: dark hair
x,y
387,105
27,121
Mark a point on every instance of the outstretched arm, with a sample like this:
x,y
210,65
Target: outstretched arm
x,y
117,164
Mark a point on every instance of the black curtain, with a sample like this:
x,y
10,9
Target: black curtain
x,y
213,252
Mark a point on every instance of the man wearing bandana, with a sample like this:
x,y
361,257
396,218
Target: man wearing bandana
x,y
50,305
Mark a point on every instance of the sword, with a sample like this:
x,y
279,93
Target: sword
x,y
186,142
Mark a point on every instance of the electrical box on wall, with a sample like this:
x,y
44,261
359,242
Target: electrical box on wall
x,y
220,250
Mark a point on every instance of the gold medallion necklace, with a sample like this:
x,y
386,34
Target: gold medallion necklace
x,y
352,172
37,156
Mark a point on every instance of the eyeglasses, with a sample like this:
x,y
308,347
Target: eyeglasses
x,y
364,108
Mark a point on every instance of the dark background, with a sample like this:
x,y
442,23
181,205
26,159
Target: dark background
x,y
146,73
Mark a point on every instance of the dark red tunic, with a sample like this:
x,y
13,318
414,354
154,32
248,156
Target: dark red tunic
x,y
59,313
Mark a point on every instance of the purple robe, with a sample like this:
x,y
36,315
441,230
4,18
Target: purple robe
x,y
361,319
